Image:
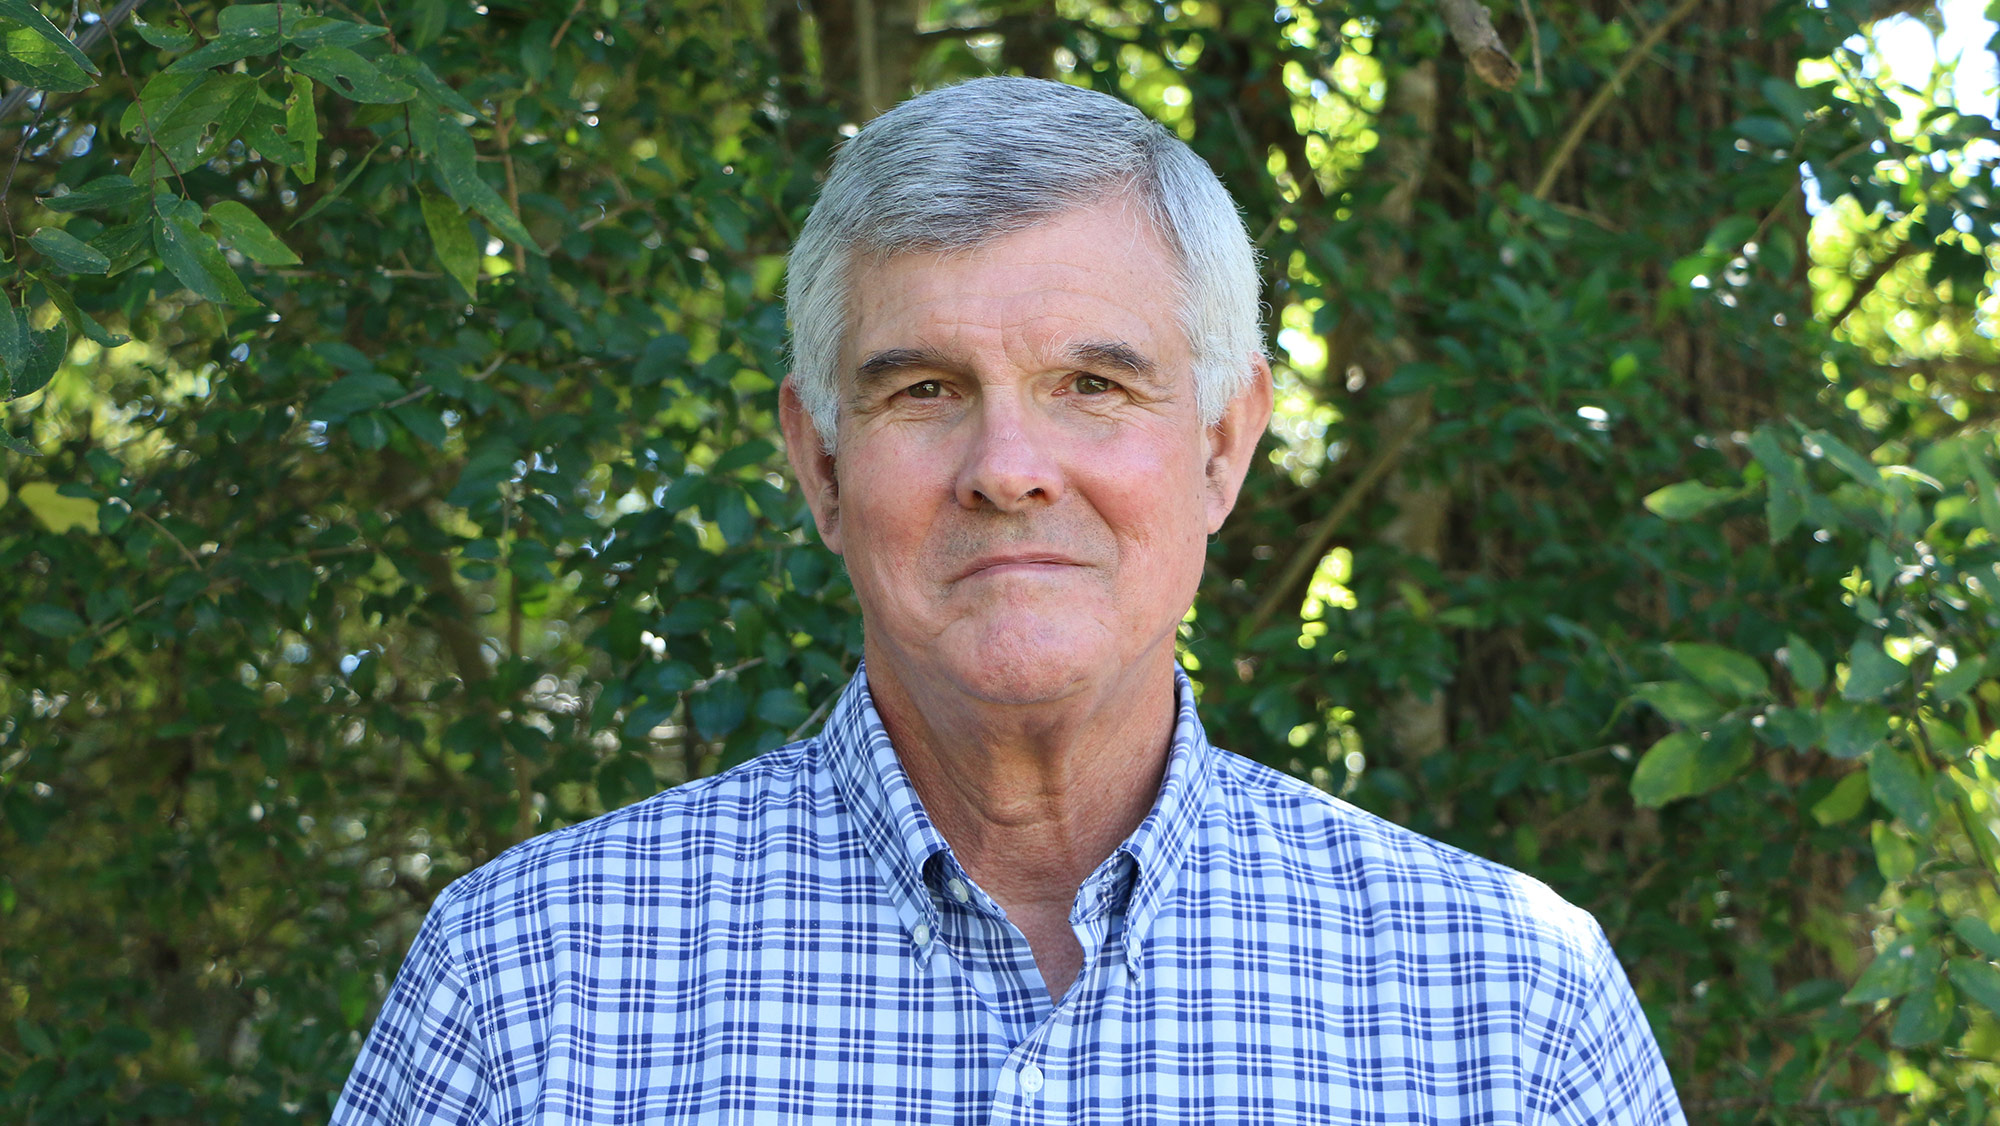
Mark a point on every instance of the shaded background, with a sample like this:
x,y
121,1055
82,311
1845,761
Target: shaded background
x,y
1629,516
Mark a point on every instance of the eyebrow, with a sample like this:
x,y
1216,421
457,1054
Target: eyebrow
x,y
892,361
1112,354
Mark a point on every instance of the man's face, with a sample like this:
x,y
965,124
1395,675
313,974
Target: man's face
x,y
1023,487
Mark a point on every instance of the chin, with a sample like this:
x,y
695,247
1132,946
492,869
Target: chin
x,y
1015,665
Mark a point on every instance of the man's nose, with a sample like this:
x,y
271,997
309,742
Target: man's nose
x,y
1010,463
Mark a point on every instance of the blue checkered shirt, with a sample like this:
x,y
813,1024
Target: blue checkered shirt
x,y
793,941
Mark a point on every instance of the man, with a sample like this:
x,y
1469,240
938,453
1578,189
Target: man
x,y
1011,880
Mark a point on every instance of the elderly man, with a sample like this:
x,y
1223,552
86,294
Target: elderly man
x,y
1011,880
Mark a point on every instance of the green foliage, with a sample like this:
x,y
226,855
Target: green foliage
x,y
393,476
1907,705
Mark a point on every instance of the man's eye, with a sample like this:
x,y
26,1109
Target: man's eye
x,y
928,389
1092,385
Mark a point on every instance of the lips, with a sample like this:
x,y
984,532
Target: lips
x,y
1017,562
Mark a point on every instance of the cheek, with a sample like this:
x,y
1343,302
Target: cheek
x,y
886,506
1156,501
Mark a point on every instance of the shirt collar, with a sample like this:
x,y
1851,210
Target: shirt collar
x,y
1159,846
900,836
887,813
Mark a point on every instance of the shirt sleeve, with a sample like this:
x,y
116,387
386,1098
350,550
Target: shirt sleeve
x,y
423,1062
1613,1074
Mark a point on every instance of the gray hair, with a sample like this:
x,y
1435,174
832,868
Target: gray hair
x,y
961,166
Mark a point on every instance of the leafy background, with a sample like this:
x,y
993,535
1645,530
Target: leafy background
x,y
390,476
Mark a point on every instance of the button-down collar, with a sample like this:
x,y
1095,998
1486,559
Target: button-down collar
x,y
916,862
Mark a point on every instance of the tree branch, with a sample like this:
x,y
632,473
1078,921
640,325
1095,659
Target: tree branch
x,y
1870,280
1472,29
1602,99
1307,557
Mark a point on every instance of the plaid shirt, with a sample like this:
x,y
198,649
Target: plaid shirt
x,y
792,941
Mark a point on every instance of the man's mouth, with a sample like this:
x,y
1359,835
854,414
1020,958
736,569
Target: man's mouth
x,y
1017,563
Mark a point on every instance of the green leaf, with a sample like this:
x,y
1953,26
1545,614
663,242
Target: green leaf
x,y
1978,934
781,707
457,165
194,258
69,252
1797,728
719,709
1680,702
188,117
1844,802
1871,671
1977,980
1924,1015
754,452
1985,492
1766,131
249,236
163,36
1882,568
13,341
1685,764
1959,681
142,117
347,73
314,31
411,69
1723,671
351,395
370,432
114,190
41,356
625,778
733,519
1807,669
51,621
126,244
1904,966
261,132
225,48
35,52
81,321
1852,730
302,128
1844,456
172,207
259,17
1686,500
423,422
1900,785
451,238
34,1038
1895,856
1783,511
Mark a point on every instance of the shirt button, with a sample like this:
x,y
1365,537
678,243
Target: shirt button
x,y
958,890
1031,1078
922,933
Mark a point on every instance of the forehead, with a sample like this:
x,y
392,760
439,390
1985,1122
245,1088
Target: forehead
x,y
1083,278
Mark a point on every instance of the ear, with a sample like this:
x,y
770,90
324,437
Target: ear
x,y
811,464
1232,441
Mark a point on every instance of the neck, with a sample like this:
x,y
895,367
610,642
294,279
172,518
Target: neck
x,y
1032,797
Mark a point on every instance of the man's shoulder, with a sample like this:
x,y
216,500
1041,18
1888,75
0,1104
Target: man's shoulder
x,y
1404,877
643,849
